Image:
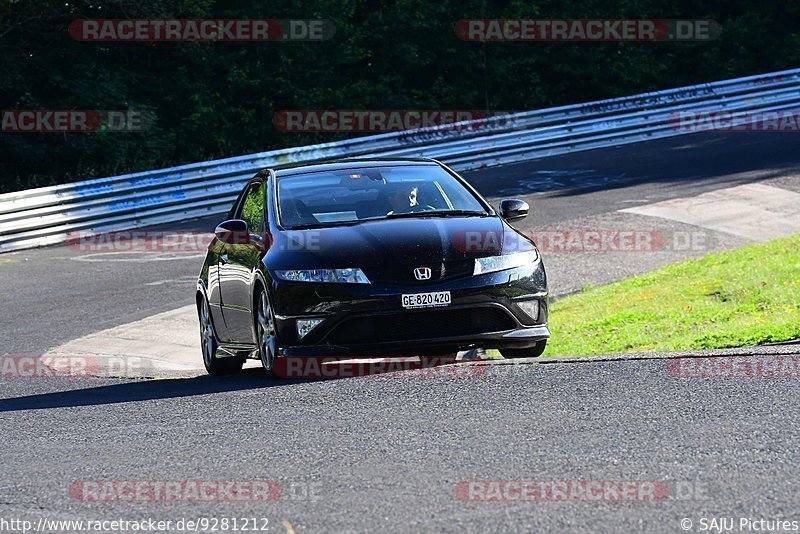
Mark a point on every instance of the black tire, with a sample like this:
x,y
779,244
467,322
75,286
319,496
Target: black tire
x,y
208,343
266,337
530,352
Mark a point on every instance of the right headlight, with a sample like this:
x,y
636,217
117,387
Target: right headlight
x,y
508,261
333,276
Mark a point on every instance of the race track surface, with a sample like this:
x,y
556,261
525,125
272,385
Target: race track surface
x,y
387,453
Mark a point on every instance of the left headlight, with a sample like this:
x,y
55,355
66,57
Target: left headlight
x,y
508,261
333,276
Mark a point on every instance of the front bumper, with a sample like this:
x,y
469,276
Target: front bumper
x,y
369,320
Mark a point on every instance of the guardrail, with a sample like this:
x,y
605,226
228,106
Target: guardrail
x,y
48,215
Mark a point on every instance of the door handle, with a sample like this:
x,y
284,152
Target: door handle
x,y
223,259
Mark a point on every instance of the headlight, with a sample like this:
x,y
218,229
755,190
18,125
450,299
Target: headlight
x,y
334,276
508,261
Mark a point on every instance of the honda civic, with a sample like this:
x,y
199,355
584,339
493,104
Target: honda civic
x,y
368,258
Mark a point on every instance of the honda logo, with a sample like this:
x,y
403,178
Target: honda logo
x,y
422,273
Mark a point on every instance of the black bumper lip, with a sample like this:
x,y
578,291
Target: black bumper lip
x,y
521,337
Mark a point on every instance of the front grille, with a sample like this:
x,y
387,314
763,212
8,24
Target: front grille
x,y
419,324
404,274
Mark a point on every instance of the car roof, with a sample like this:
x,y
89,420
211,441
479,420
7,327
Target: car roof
x,y
336,165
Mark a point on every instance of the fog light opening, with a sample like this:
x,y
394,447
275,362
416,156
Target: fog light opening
x,y
530,308
304,326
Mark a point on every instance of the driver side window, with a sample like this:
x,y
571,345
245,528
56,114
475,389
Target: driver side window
x,y
253,208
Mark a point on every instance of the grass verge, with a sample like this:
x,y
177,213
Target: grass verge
x,y
741,297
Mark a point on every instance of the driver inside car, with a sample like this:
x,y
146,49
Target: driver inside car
x,y
402,199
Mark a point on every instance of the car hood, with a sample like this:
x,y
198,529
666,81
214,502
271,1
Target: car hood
x,y
387,243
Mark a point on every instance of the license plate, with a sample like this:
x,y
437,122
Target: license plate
x,y
426,300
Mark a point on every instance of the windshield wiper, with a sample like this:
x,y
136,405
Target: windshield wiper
x,y
457,213
438,213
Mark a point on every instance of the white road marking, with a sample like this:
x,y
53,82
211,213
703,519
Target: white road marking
x,y
168,341
181,280
754,211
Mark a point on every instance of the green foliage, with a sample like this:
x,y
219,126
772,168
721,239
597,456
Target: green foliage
x,y
213,100
737,298
253,209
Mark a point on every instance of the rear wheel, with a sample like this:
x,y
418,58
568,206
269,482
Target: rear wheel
x,y
208,342
531,352
265,330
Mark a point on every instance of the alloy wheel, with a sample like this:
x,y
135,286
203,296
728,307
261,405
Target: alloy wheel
x,y
266,332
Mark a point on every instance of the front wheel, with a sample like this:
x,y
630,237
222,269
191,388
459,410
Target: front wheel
x,y
531,352
265,329
208,341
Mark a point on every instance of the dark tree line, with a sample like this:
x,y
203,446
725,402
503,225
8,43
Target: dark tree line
x,y
212,100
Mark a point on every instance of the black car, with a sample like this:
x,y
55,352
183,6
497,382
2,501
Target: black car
x,y
368,258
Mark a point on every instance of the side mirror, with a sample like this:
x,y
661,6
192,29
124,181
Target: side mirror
x,y
512,209
233,232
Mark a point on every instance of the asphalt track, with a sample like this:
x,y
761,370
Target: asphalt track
x,y
387,453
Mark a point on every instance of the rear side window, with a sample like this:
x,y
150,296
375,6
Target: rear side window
x,y
253,208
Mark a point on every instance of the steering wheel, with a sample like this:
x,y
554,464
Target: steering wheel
x,y
416,208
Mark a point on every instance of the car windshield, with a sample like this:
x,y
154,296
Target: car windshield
x,y
361,194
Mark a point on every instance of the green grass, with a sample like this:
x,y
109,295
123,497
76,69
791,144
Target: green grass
x,y
741,297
